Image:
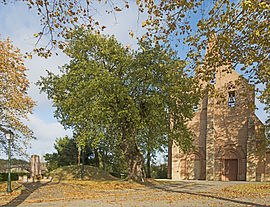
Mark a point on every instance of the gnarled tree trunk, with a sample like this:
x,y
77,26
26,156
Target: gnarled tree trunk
x,y
135,161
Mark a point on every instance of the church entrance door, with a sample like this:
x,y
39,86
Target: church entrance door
x,y
231,169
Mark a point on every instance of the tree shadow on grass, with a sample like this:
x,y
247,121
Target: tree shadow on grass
x,y
165,188
165,185
29,189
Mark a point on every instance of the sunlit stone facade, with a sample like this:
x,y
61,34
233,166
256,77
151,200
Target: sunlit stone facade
x,y
229,138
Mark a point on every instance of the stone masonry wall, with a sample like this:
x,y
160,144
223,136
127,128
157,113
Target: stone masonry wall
x,y
225,137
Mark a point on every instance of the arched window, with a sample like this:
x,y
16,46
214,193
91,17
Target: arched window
x,y
231,101
231,88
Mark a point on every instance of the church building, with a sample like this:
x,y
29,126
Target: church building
x,y
229,138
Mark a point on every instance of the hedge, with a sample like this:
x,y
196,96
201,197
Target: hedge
x,y
13,176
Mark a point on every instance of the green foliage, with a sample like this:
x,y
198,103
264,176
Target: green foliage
x,y
110,160
67,153
117,164
13,176
123,98
14,162
66,150
241,29
159,171
52,161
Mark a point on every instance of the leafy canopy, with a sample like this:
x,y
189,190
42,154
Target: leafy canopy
x,y
241,29
110,92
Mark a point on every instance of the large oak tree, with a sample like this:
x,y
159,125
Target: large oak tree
x,y
110,92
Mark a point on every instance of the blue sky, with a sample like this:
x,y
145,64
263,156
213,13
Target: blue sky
x,y
19,23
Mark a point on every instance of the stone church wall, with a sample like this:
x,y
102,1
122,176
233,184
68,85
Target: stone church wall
x,y
227,138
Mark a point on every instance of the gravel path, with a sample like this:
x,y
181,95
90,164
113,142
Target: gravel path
x,y
181,193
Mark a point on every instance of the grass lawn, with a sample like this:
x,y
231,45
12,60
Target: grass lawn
x,y
250,188
73,172
66,190
105,185
110,191
96,185
68,178
15,186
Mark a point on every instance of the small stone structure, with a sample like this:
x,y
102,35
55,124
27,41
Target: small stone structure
x,y
35,166
37,169
23,179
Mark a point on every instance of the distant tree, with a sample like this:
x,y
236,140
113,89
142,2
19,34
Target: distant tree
x,y
14,161
110,160
52,161
159,171
15,104
109,92
67,153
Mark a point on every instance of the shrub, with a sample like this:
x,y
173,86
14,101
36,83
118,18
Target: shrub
x,y
13,175
159,171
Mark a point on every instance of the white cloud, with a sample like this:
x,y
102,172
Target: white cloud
x,y
37,68
46,134
120,23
